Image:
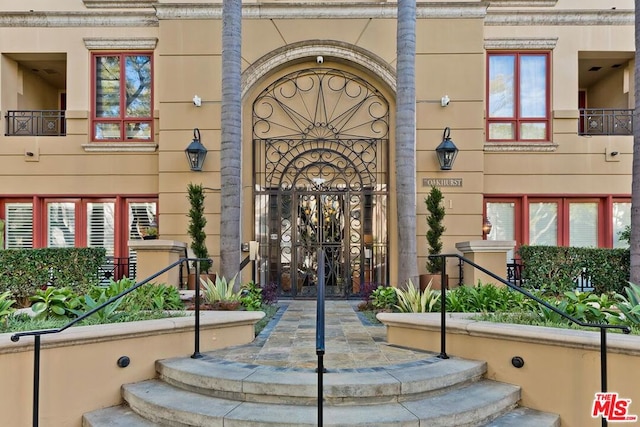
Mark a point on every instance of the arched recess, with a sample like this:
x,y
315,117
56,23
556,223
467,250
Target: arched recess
x,y
309,50
320,156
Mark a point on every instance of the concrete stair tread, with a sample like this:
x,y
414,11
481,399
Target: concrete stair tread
x,y
115,416
163,403
229,378
526,417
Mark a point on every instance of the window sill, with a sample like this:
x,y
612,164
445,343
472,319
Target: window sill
x,y
120,146
520,146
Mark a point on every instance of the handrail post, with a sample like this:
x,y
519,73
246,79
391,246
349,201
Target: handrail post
x,y
36,380
196,350
443,307
603,366
320,331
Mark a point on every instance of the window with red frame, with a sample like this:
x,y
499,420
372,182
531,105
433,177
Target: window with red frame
x,y
123,96
559,221
518,96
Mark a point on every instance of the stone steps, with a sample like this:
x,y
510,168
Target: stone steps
x,y
215,392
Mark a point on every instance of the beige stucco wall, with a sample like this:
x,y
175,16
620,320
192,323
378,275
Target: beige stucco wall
x,y
450,60
79,372
561,373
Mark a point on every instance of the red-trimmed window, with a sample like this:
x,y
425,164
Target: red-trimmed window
x,y
122,96
518,96
76,222
559,221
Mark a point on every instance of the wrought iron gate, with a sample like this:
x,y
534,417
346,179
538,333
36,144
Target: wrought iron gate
x,y
320,162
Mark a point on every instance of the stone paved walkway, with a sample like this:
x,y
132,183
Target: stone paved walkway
x,y
289,341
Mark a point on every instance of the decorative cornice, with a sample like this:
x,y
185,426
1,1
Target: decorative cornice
x,y
522,3
120,146
101,43
79,19
520,146
560,17
322,10
118,4
521,43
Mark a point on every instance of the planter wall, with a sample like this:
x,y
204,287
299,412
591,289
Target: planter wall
x,y
78,371
561,373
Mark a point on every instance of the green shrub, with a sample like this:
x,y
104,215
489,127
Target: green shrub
x,y
554,269
26,270
384,298
107,314
55,302
484,298
251,298
148,297
6,305
628,308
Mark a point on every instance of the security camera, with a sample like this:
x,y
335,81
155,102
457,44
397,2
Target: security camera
x,y
319,59
197,101
445,101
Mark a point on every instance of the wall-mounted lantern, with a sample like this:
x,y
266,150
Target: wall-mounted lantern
x,y
446,151
196,152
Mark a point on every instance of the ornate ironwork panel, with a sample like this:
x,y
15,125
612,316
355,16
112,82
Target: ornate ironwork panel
x,y
320,166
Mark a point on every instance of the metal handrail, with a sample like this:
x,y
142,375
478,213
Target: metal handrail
x,y
39,333
603,327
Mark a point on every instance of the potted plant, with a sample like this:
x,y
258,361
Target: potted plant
x,y
197,222
435,228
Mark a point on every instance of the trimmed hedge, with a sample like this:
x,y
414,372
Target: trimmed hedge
x,y
25,270
555,269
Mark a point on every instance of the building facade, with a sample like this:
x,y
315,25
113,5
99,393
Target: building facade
x,y
100,98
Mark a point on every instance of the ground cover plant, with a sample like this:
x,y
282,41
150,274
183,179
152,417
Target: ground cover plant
x,y
54,307
502,304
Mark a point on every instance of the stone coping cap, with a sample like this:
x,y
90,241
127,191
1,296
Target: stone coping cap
x,y
157,245
209,319
486,246
462,323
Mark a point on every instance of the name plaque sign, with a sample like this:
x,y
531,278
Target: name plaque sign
x,y
442,182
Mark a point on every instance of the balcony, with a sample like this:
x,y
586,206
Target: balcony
x,y
35,123
606,121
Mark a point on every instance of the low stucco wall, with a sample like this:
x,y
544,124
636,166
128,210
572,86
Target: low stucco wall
x,y
78,370
561,373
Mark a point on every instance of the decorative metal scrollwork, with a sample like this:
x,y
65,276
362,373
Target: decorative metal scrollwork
x,y
320,163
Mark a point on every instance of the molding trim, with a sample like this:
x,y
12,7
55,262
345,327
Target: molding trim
x,y
101,147
522,3
322,10
118,4
309,50
560,17
79,19
102,43
520,146
521,43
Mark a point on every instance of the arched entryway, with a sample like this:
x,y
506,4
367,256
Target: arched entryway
x,y
320,160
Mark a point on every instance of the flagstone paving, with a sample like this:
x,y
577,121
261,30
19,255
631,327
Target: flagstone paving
x,y
351,342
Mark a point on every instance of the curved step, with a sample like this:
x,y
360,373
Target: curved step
x,y
473,404
525,417
258,383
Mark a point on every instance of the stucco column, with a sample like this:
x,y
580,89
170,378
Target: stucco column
x,y
154,255
489,254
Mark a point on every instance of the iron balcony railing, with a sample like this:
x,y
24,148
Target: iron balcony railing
x,y
35,123
605,121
